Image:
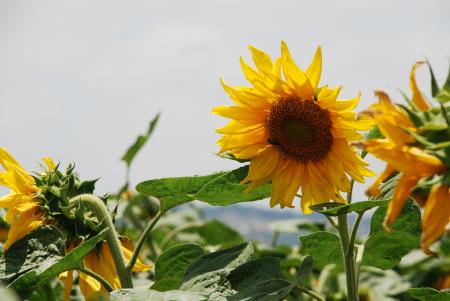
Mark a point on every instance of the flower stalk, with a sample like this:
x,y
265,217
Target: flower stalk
x,y
142,240
347,246
100,210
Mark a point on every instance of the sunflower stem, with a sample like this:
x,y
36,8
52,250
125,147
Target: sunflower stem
x,y
349,258
142,240
97,277
101,212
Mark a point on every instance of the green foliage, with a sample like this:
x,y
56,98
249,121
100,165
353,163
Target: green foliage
x,y
40,256
385,250
219,189
171,265
323,246
216,233
428,294
139,143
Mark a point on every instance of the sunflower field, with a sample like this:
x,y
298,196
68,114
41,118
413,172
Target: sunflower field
x,y
298,145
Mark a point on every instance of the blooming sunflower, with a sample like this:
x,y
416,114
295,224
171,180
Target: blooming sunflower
x,y
24,213
401,153
295,133
101,262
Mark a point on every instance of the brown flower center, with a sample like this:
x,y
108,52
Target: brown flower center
x,y
300,129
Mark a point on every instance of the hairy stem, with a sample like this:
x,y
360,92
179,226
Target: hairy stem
x,y
142,240
349,259
101,212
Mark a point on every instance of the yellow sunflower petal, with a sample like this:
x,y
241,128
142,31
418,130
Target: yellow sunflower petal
x,y
257,80
23,224
262,60
285,185
327,97
263,164
294,75
49,162
417,97
67,280
436,215
315,68
246,97
404,188
374,189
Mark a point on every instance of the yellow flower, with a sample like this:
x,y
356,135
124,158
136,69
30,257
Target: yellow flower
x,y
102,263
295,133
24,213
413,162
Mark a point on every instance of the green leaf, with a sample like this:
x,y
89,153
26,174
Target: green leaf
x,y
140,142
428,294
216,233
324,247
39,256
267,288
358,207
219,189
151,295
385,250
434,84
207,273
255,271
173,263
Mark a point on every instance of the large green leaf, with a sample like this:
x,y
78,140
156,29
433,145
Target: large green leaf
x,y
323,246
151,295
207,273
140,142
173,263
219,189
428,294
270,289
39,256
385,250
255,271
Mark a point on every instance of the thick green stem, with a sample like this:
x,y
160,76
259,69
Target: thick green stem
x,y
142,240
312,294
349,258
101,212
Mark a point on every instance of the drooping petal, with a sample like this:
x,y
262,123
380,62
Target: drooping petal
x,y
417,97
67,280
404,188
436,215
374,189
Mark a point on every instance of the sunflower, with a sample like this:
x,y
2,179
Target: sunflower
x,y
401,153
23,211
101,262
295,133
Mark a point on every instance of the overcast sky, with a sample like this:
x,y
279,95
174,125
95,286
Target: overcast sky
x,y
80,79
